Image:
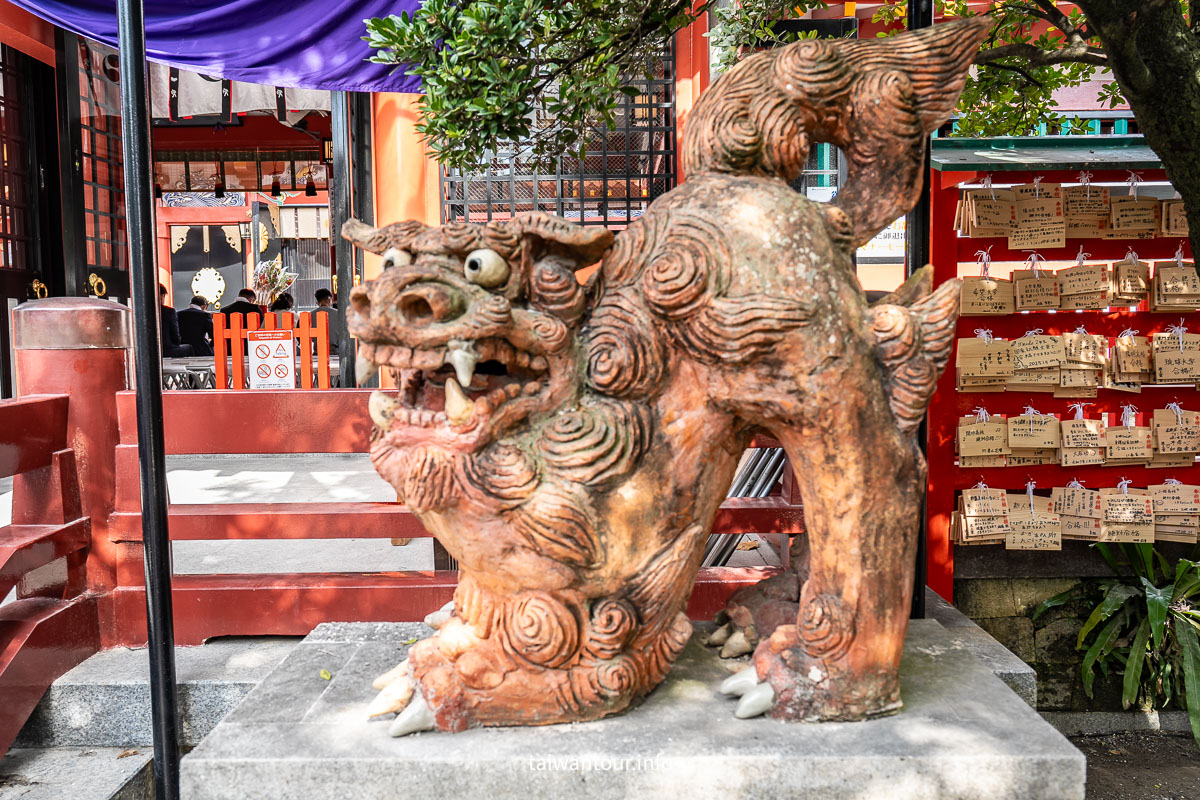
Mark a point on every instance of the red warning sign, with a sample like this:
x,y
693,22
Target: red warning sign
x,y
272,359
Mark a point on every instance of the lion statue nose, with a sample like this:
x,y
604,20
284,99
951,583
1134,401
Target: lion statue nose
x,y
430,304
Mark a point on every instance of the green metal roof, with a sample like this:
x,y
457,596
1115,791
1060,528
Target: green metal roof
x,y
1042,152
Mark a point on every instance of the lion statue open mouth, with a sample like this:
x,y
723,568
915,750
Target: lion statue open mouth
x,y
570,444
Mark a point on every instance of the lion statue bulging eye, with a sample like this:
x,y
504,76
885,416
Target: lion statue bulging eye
x,y
395,257
486,268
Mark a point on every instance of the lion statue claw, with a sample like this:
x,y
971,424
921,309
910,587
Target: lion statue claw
x,y
570,444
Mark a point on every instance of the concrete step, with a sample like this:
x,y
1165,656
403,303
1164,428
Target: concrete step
x,y
961,734
105,701
77,773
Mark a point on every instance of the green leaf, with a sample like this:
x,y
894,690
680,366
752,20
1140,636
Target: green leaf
x,y
1116,597
411,641
326,675
1104,641
1133,665
1157,601
1190,645
1104,550
1058,600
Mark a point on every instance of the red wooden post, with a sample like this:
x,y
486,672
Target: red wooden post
x,y
304,334
323,351
221,350
237,379
81,347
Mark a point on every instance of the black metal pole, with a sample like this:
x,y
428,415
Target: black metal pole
x,y
343,252
916,255
135,143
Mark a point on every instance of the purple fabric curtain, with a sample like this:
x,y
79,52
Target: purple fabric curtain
x,y
311,44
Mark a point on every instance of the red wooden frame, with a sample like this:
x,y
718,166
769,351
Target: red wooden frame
x,y
53,624
336,421
311,334
950,254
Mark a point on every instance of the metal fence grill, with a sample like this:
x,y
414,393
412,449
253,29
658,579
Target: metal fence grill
x,y
624,169
103,171
310,260
15,236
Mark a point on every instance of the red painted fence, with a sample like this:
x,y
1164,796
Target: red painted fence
x,y
52,625
284,421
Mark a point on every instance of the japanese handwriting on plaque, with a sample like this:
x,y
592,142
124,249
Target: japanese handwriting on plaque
x,y
1137,509
980,502
1176,498
1128,443
1038,352
1084,348
977,358
983,438
1043,532
1080,280
1071,502
1083,433
987,296
1176,433
1034,431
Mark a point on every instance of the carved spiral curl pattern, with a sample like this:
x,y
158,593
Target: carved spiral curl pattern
x,y
493,309
554,289
541,629
617,677
625,354
551,332
826,625
613,622
475,605
689,268
502,473
557,523
504,240
429,482
460,237
596,442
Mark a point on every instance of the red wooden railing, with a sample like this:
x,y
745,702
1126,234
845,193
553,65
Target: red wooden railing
x,y
291,604
311,330
52,625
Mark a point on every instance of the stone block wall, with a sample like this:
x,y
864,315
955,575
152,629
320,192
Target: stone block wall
x,y
1004,606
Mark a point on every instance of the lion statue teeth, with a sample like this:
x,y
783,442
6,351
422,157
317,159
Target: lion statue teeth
x,y
570,444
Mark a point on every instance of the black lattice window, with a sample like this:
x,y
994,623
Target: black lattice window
x,y
622,172
103,171
15,234
310,260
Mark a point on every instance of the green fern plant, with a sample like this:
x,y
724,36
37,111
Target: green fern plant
x,y
1146,626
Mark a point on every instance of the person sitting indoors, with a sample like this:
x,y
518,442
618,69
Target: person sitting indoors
x,y
285,302
172,343
195,326
243,305
325,306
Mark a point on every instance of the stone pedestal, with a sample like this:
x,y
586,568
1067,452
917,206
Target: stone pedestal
x,y
962,734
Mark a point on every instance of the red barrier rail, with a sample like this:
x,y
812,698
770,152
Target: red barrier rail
x,y
288,421
52,625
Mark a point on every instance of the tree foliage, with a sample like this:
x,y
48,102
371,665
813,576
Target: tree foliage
x,y
498,72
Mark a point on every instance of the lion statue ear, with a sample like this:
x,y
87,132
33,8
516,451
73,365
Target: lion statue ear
x,y
544,234
552,250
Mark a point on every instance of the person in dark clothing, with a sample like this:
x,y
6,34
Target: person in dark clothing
x,y
325,305
195,326
244,305
285,302
172,343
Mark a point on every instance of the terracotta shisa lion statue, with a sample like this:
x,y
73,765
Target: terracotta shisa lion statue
x,y
570,444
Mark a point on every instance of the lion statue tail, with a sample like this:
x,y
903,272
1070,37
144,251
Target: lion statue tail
x,y
877,99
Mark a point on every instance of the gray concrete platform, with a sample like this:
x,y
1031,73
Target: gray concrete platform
x,y
76,773
962,734
1004,664
105,701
